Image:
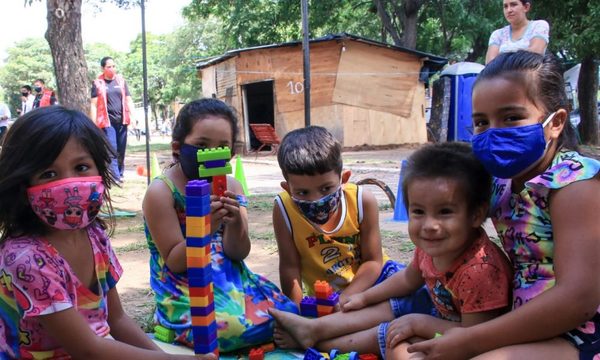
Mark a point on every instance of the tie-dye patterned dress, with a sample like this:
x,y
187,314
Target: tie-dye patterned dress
x,y
523,223
241,296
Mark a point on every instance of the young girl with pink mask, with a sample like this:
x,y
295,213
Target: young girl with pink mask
x,y
545,205
58,272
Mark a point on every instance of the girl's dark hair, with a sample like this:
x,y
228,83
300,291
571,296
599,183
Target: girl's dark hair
x,y
309,151
451,160
542,78
31,145
198,110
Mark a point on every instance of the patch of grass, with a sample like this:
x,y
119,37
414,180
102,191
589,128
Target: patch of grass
x,y
393,236
135,246
263,235
132,228
153,147
261,202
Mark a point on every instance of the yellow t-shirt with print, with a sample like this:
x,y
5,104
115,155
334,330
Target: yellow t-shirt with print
x,y
331,256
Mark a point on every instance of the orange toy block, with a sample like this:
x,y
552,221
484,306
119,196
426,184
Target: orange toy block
x,y
197,251
202,301
197,261
322,289
203,320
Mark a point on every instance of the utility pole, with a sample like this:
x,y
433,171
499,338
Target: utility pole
x,y
306,52
145,76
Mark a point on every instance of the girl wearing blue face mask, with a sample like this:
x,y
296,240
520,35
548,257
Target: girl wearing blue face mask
x,y
241,297
545,206
58,271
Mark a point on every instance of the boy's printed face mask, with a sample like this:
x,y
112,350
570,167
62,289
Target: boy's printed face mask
x,y
67,204
319,211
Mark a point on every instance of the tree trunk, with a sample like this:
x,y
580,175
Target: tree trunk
x,y
70,68
410,22
587,92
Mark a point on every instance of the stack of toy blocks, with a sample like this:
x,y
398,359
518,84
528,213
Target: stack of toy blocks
x,y
202,307
214,165
322,304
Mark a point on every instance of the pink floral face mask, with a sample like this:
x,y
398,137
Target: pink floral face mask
x,y
67,204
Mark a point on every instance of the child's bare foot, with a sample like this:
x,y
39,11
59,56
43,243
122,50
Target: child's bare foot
x,y
298,328
283,339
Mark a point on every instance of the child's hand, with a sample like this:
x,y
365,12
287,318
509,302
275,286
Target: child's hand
x,y
401,329
353,302
224,209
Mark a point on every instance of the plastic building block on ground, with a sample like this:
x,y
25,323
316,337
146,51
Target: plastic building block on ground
x,y
256,354
368,357
163,334
308,307
322,289
312,354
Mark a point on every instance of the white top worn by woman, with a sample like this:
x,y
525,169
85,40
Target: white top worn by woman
x,y
535,29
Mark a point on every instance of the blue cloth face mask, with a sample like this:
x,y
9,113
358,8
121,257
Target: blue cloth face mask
x,y
188,159
319,211
508,152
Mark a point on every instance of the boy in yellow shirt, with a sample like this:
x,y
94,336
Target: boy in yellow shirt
x,y
327,228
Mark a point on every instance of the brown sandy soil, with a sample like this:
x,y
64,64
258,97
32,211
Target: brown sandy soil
x,y
263,178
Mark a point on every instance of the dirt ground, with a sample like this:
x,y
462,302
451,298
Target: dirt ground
x,y
263,178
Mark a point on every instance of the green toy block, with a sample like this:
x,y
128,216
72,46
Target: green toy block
x,y
163,334
220,153
204,172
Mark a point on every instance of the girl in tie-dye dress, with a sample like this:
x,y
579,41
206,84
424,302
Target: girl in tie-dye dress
x,y
241,297
545,206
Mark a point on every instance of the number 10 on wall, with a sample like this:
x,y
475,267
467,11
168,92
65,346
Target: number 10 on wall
x,y
295,87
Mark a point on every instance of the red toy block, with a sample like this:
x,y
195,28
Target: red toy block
x,y
368,357
219,185
256,354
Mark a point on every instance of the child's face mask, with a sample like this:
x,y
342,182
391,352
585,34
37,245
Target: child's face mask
x,y
67,204
508,152
320,210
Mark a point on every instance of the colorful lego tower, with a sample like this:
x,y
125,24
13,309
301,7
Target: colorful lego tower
x,y
202,307
214,164
322,303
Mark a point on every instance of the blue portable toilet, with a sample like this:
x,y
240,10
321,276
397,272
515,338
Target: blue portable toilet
x,y
462,75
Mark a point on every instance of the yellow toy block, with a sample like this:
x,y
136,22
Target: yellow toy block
x,y
202,301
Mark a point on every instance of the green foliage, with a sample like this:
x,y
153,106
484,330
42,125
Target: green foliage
x,y
576,35
94,53
259,22
27,60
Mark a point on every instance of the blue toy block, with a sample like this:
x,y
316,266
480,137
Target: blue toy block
x,y
197,200
196,279
197,188
195,210
332,300
312,354
400,213
205,334
308,307
202,311
333,353
206,348
214,164
197,241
